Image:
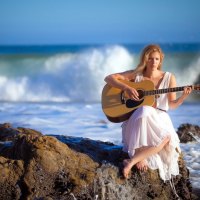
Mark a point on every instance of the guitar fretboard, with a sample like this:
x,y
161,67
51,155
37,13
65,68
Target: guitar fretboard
x,y
162,91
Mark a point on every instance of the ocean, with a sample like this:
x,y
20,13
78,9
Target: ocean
x,y
56,89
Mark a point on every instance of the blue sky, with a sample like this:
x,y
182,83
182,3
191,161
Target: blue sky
x,y
98,21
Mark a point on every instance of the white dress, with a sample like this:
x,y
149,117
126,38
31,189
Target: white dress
x,y
148,126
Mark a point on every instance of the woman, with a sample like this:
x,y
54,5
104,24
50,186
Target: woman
x,y
148,135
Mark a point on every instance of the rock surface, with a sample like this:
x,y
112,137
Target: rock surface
x,y
36,166
188,133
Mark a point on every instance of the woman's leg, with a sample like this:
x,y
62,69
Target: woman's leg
x,y
141,155
141,165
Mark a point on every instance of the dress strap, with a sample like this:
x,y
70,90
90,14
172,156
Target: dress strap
x,y
138,78
165,81
167,78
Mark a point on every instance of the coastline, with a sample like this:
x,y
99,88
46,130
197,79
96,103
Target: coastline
x,y
86,120
78,167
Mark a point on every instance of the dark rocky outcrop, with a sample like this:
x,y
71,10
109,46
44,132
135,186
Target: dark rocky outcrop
x,y
188,133
36,166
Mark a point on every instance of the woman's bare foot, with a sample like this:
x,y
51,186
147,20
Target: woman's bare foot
x,y
142,165
140,155
127,168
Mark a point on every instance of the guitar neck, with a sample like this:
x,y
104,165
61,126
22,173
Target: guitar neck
x,y
163,91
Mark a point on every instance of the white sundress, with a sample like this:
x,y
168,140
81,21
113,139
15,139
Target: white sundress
x,y
148,126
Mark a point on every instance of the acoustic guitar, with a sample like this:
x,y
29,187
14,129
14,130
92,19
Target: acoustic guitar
x,y
118,108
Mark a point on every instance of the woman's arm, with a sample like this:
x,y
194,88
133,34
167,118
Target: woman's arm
x,y
115,81
173,101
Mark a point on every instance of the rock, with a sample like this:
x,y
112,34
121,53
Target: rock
x,y
34,166
188,133
7,132
48,166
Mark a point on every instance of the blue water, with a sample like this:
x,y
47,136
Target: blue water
x,y
52,49
75,73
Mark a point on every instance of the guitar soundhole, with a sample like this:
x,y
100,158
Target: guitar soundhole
x,y
130,103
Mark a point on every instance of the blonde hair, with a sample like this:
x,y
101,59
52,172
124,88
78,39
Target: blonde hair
x,y
145,56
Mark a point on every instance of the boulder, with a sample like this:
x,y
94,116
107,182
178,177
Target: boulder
x,y
188,133
36,166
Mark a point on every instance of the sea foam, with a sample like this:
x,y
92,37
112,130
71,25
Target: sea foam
x,y
67,76
78,76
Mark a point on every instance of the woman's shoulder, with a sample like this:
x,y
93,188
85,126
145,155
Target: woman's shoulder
x,y
167,74
129,75
169,77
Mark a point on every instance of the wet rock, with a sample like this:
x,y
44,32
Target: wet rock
x,y
36,166
7,132
188,133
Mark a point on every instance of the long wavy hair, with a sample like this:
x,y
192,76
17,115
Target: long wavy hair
x,y
145,56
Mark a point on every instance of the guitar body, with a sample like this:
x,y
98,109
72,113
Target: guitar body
x,y
116,108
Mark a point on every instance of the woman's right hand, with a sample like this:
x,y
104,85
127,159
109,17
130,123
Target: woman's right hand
x,y
131,93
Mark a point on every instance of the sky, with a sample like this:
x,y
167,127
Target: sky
x,y
98,21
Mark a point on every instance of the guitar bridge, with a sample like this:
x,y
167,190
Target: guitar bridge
x,y
123,100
